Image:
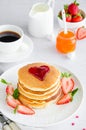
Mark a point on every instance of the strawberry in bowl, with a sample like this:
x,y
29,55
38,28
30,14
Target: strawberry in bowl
x,y
75,17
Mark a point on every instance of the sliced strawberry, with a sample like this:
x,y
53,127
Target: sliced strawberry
x,y
12,102
81,33
67,84
25,110
67,98
9,89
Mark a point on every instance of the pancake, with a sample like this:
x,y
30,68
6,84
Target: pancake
x,y
33,83
35,92
39,103
39,95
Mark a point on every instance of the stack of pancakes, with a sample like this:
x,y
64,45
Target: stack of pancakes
x,y
35,92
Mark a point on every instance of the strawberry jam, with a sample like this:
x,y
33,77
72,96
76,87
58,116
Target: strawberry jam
x,y
39,72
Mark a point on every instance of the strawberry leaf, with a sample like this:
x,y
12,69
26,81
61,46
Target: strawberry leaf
x,y
75,2
67,15
60,16
65,7
65,74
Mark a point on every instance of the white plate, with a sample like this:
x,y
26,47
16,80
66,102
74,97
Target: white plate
x,y
52,114
23,52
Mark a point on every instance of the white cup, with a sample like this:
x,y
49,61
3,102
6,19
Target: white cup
x,y
11,46
40,20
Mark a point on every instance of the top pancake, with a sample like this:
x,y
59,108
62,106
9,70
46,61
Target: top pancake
x,y
31,82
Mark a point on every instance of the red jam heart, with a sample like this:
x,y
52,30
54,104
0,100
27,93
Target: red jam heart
x,y
39,72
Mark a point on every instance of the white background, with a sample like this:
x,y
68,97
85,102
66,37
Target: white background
x,y
16,12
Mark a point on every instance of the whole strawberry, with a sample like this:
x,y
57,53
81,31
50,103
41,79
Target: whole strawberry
x,y
77,18
73,8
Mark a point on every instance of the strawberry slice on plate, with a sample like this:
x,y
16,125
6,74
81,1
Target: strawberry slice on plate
x,y
25,110
9,90
67,84
11,101
15,103
67,97
81,33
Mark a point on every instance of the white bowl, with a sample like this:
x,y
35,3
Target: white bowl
x,y
10,47
73,25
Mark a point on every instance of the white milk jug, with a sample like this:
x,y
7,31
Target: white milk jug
x,y
40,21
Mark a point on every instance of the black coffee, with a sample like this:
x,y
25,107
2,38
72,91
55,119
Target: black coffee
x,y
8,36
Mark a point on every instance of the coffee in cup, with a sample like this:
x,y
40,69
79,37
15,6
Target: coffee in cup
x,y
11,38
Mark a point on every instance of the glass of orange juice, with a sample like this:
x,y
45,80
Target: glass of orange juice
x,y
66,42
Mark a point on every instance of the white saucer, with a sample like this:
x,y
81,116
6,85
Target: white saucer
x,y
22,53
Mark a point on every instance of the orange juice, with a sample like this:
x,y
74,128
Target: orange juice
x,y
66,43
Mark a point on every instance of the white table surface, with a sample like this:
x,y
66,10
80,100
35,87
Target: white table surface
x,y
16,12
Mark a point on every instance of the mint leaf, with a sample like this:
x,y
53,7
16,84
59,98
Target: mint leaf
x,y
74,91
4,81
16,93
15,110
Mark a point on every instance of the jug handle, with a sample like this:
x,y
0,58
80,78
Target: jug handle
x,y
51,3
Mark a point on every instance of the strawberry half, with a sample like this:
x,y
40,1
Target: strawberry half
x,y
25,110
81,33
67,84
12,101
67,98
9,89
